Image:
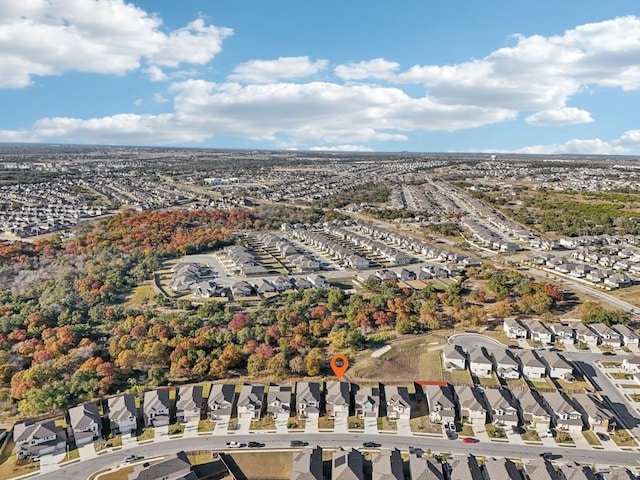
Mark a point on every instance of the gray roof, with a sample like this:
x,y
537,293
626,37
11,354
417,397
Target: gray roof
x,y
425,469
499,469
541,469
531,402
470,398
387,465
307,392
156,400
221,394
529,359
347,465
453,352
337,393
189,399
465,468
251,395
555,360
23,432
122,407
440,395
307,464
83,416
175,467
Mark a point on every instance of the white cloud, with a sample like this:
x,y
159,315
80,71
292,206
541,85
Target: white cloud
x,y
341,148
540,73
376,68
559,116
159,98
271,71
630,137
138,102
43,37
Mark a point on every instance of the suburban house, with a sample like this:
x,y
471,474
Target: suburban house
x,y
307,464
540,469
367,401
558,366
175,466
607,335
465,467
538,332
480,364
279,401
189,404
514,329
566,415
387,465
501,468
629,337
250,401
533,409
574,471
532,366
398,403
347,465
454,358
308,399
221,399
472,405
504,409
585,335
36,439
86,423
337,399
596,414
156,408
620,473
442,405
123,414
563,333
631,365
425,469
507,366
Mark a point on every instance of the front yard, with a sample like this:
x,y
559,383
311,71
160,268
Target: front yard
x,y
326,423
591,438
385,424
206,426
495,431
264,423
563,437
623,439
530,435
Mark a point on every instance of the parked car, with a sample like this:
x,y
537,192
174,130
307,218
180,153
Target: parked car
x,y
299,443
255,445
236,445
548,432
514,347
371,445
130,458
608,354
469,440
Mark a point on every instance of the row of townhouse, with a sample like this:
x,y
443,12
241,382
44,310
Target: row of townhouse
x,y
529,363
388,464
449,404
488,238
346,256
244,288
302,261
608,272
376,247
591,334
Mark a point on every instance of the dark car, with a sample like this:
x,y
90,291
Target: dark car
x,y
371,445
298,443
514,347
608,354
255,445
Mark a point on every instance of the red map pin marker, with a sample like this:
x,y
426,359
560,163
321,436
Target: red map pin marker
x,y
339,365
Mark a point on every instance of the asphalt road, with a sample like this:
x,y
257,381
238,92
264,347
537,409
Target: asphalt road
x,y
83,470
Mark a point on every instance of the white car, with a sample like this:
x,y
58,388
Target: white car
x,y
548,432
235,445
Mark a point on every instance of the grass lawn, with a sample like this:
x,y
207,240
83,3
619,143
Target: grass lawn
x,y
499,335
385,424
591,437
122,474
494,431
296,423
621,376
112,442
457,377
206,426
563,437
467,431
423,425
518,383
573,386
176,429
492,380
265,423
611,364
233,425
629,385
544,384
355,423
530,435
8,467
256,464
634,397
431,366
326,423
623,439
628,294
146,434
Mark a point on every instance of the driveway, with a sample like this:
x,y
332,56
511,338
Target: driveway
x,y
129,440
161,434
341,424
222,425
191,429
403,426
281,424
371,425
49,463
87,452
311,425
244,424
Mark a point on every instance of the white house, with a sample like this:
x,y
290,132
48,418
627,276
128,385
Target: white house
x,y
122,414
513,328
563,333
442,405
507,367
250,401
86,423
558,366
454,358
472,405
398,403
532,367
629,337
631,365
479,363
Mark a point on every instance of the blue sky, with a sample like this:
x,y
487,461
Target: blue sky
x,y
418,75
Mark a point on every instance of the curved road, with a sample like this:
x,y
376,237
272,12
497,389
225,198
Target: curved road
x,y
82,470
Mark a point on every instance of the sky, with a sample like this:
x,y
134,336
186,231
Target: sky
x,y
546,77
